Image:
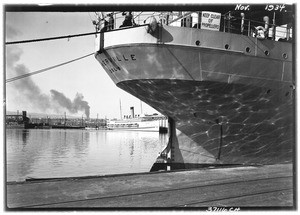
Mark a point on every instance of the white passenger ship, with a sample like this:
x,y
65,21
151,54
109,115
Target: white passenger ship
x,y
142,123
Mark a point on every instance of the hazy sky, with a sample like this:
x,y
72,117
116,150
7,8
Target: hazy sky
x,y
84,80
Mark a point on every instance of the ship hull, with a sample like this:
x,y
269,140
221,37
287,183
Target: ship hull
x,y
150,129
255,130
134,125
229,106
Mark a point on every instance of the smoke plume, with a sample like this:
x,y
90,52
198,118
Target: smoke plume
x,y
26,93
11,32
26,88
78,104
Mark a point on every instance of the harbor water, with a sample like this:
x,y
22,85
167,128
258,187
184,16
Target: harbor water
x,y
52,153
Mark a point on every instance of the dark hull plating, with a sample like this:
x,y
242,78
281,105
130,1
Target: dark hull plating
x,y
255,129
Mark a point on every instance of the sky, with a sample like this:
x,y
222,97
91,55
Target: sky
x,y
83,81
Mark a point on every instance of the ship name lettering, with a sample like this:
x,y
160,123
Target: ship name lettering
x,y
112,70
132,57
110,64
242,7
124,57
118,58
111,67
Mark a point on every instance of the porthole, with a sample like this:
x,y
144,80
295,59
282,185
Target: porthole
x,y
284,55
267,53
227,46
248,50
197,42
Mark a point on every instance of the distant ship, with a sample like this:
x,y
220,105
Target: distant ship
x,y
224,76
155,122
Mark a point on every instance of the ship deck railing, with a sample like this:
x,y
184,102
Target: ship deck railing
x,y
229,23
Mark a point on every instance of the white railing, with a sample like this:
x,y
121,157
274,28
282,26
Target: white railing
x,y
227,23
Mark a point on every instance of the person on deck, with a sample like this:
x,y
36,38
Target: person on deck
x,y
129,21
111,22
260,32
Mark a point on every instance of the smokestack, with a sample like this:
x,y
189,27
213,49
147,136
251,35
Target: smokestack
x,y
65,118
24,113
132,112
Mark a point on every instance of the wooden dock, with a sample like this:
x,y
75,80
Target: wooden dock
x,y
246,186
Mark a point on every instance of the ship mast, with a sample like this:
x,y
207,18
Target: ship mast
x,y
120,109
65,119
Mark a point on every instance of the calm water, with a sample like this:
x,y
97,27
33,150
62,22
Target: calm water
x,y
39,153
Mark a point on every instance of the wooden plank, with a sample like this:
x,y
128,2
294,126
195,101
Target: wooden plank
x,y
182,196
172,189
280,198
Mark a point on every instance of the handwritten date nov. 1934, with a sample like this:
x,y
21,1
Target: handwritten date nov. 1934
x,y
268,7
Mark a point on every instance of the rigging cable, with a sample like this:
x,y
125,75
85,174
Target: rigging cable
x,y
46,69
50,38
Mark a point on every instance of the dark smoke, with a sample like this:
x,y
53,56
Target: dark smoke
x,y
11,32
62,100
29,91
78,103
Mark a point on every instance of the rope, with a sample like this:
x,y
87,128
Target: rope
x,y
44,70
50,38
